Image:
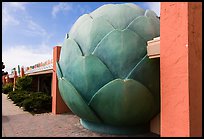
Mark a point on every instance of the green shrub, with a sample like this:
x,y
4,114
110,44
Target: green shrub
x,y
18,96
11,95
24,83
7,88
34,102
28,104
37,102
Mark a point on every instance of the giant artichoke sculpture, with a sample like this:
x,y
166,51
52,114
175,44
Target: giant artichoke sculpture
x,y
104,74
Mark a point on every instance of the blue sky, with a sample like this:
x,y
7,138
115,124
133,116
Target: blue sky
x,y
32,29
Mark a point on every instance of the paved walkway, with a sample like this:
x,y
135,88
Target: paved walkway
x,y
18,123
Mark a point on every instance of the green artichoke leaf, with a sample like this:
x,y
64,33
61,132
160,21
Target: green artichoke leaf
x,y
145,27
123,102
119,15
147,72
154,20
87,74
98,33
81,34
135,7
80,21
73,99
58,71
69,52
151,14
89,34
120,51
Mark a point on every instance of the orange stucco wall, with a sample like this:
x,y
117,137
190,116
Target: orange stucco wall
x,y
179,52
58,105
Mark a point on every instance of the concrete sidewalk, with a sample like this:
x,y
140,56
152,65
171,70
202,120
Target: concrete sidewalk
x,y
18,123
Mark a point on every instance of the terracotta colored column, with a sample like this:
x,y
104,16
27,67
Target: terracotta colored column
x,y
4,79
180,63
14,80
22,72
58,105
7,79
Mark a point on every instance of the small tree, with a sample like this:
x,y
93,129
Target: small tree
x,y
24,83
3,73
7,88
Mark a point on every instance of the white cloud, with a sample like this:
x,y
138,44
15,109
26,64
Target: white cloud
x,y
35,29
12,15
7,19
62,6
8,9
154,6
16,5
21,55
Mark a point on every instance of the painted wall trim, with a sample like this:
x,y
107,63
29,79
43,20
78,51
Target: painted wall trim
x,y
153,48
